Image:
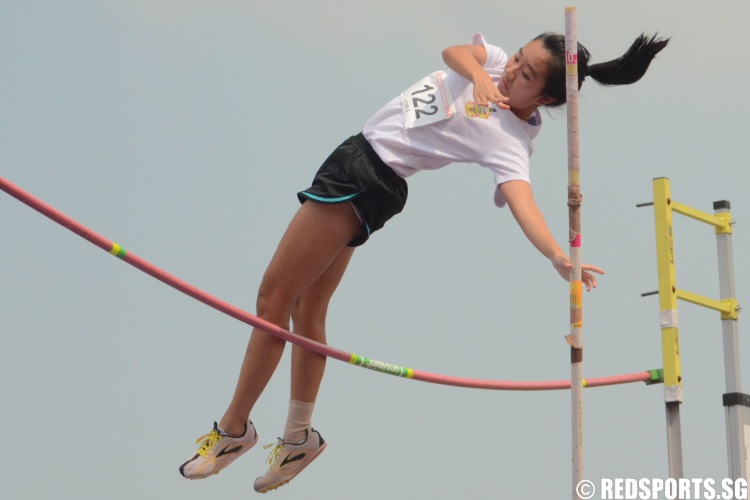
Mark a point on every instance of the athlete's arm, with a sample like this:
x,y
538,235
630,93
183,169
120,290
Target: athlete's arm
x,y
467,61
521,202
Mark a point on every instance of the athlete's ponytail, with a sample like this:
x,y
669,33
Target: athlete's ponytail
x,y
629,68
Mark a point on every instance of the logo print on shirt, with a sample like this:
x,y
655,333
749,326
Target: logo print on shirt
x,y
474,110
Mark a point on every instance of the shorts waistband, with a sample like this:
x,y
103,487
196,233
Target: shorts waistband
x,y
373,155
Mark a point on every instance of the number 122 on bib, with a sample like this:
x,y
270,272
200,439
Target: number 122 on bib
x,y
427,101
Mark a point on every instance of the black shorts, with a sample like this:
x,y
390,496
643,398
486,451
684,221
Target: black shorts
x,y
355,173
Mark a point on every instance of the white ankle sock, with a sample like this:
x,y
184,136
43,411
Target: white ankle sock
x,y
298,420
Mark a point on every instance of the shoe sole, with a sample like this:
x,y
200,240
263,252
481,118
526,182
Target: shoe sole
x,y
245,450
285,481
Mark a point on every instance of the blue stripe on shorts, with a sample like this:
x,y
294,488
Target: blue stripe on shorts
x,y
329,200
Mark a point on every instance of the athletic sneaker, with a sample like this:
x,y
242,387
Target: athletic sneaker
x,y
288,459
218,449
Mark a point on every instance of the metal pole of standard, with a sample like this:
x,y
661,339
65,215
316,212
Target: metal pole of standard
x,y
575,339
670,339
735,402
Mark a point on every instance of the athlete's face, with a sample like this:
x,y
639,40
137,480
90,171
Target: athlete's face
x,y
524,78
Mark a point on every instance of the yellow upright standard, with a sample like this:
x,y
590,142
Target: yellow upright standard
x,y
736,402
668,320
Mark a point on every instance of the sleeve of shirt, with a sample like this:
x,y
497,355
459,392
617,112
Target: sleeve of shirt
x,y
509,163
496,57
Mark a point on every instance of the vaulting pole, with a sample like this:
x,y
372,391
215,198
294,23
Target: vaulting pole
x,y
575,339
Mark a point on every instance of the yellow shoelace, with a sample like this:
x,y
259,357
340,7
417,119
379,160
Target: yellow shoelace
x,y
208,443
275,452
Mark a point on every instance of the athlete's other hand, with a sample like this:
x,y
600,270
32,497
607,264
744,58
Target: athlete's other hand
x,y
563,266
486,92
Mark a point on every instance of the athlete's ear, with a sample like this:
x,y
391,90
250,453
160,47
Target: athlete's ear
x,y
544,100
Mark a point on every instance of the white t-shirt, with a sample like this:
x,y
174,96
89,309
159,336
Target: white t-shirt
x,y
497,140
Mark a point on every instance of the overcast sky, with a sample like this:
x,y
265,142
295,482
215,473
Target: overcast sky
x,y
182,129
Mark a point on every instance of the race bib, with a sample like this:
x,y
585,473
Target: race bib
x,y
427,101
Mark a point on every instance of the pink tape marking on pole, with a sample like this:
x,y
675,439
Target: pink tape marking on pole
x,y
245,317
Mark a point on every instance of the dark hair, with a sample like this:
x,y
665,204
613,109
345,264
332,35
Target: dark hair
x,y
629,68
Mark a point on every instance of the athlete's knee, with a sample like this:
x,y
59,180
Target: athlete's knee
x,y
272,306
309,314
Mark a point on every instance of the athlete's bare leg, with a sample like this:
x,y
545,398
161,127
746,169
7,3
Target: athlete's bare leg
x,y
315,241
